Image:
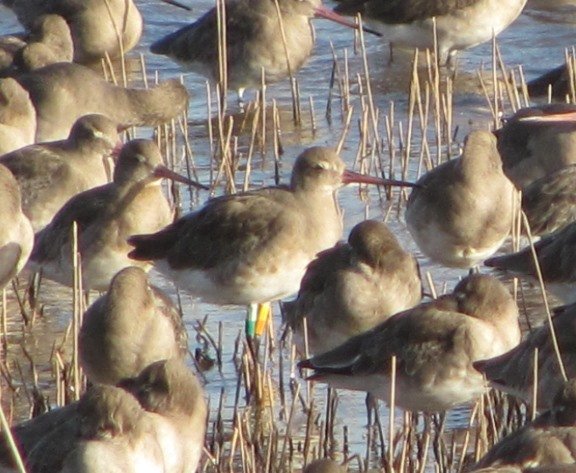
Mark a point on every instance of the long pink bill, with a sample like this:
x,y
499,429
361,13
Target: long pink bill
x,y
350,177
566,117
162,171
326,13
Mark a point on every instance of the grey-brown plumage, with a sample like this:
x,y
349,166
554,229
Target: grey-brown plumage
x,y
435,344
557,260
550,202
111,430
254,247
253,41
106,216
131,326
63,92
350,288
531,148
460,24
325,465
10,44
170,390
398,12
513,372
16,235
17,116
49,41
461,211
51,173
548,440
96,27
556,80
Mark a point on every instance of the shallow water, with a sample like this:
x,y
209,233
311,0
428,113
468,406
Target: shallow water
x,y
536,41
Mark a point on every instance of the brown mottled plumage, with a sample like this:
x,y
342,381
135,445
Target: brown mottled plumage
x,y
460,24
254,247
49,42
51,173
17,116
532,147
168,388
106,216
513,372
113,429
435,344
131,326
462,210
548,440
16,235
96,26
63,92
352,287
556,255
254,42
324,465
550,202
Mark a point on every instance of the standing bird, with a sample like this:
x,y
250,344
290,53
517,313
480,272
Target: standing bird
x,y
16,234
254,41
63,92
350,288
131,326
461,211
435,345
49,174
106,216
252,248
513,372
98,28
459,24
17,116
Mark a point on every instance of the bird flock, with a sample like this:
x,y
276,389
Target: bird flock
x,y
360,318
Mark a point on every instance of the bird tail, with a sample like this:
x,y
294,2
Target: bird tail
x,y
152,246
